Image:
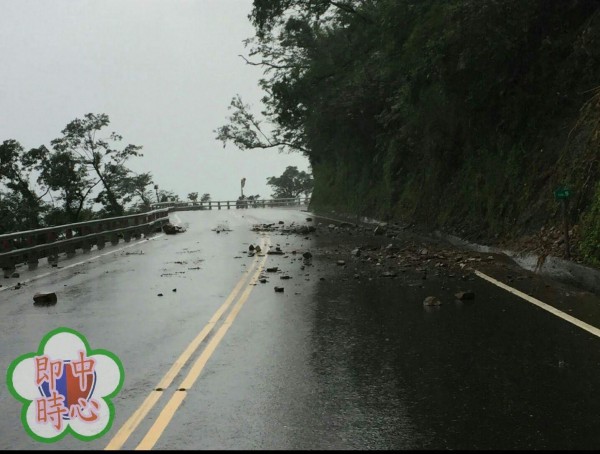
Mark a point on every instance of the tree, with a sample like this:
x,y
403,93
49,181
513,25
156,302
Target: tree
x,y
167,196
131,186
291,183
100,156
246,131
288,37
16,166
16,214
193,196
253,200
62,173
205,197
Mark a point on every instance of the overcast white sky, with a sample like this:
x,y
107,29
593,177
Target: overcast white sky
x,y
163,70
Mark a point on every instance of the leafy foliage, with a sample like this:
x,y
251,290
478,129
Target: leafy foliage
x,y
291,184
590,246
16,166
99,156
458,113
79,170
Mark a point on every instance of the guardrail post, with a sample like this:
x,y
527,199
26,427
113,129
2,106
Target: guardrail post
x,y
219,205
127,237
8,269
53,258
114,239
209,205
86,247
32,261
228,204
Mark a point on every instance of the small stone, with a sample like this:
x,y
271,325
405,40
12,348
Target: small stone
x,y
251,247
431,301
281,222
160,294
309,219
279,289
388,274
341,262
15,274
273,269
257,249
379,230
355,252
464,296
174,289
307,255
263,281
285,277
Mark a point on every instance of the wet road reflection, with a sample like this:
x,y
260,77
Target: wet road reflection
x,y
494,374
344,358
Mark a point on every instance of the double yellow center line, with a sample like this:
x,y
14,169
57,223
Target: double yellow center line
x,y
173,404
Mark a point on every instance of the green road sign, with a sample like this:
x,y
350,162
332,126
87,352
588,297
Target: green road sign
x,y
562,193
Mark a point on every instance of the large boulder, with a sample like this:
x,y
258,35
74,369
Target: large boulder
x,y
171,229
45,299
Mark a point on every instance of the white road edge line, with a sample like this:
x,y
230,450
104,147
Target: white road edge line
x,y
39,276
589,328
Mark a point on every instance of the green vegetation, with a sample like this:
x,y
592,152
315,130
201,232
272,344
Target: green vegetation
x,y
459,114
590,244
83,175
291,184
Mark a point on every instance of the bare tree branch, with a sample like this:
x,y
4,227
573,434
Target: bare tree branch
x,y
272,65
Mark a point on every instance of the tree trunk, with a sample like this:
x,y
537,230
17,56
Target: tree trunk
x,y
116,208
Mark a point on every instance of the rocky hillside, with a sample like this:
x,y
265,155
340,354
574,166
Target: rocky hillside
x,y
462,115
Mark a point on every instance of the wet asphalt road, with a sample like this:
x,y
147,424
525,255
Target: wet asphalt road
x,y
333,362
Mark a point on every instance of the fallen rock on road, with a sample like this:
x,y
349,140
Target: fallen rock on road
x,y
45,299
171,229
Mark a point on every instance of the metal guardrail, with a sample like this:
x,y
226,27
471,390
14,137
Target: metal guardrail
x,y
31,245
228,204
